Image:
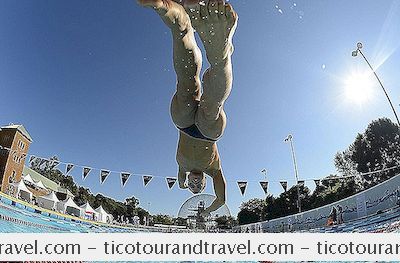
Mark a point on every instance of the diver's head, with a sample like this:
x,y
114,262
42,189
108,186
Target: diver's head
x,y
196,182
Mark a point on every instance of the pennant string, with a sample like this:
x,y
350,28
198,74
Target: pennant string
x,y
43,160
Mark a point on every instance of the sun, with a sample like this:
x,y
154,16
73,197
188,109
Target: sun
x,y
358,87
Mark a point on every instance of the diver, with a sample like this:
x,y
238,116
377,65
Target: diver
x,y
197,105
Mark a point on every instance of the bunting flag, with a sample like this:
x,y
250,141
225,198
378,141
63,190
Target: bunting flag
x,y
86,171
69,168
103,176
147,179
301,183
242,186
317,182
170,182
264,186
284,185
42,161
53,164
32,158
124,178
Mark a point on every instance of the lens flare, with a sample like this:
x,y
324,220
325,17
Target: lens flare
x,y
359,87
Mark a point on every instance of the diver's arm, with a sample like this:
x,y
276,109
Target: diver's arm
x,y
219,189
182,178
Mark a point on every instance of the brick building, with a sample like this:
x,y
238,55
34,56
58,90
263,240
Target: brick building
x,y
15,142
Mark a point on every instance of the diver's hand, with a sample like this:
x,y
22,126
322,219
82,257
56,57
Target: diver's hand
x,y
182,185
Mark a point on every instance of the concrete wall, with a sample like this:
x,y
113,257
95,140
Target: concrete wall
x,y
368,202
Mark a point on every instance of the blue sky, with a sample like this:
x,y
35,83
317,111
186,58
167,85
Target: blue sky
x,y
92,82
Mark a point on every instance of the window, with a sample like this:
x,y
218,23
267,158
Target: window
x,y
12,178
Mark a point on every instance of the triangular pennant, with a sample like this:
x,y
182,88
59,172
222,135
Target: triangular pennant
x,y
147,179
54,164
242,186
264,186
124,178
42,161
103,176
284,185
32,158
69,168
301,183
170,182
317,182
86,171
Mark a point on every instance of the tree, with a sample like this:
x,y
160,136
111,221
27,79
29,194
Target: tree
x,y
251,211
163,219
225,222
375,149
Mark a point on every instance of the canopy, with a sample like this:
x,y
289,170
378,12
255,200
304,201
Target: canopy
x,y
22,191
41,185
28,179
52,197
49,201
70,207
103,215
89,212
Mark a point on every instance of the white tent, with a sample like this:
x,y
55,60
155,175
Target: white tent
x,y
22,192
49,201
103,215
40,185
69,207
28,179
88,212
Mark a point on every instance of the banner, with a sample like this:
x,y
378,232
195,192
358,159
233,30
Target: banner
x,y
242,186
86,171
284,185
146,179
124,178
69,168
170,182
264,186
103,176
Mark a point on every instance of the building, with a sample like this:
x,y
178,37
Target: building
x,y
61,192
15,142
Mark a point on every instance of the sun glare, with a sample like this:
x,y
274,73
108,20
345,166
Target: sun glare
x,y
359,87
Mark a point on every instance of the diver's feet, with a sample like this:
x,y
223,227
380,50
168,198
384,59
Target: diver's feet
x,y
172,13
215,21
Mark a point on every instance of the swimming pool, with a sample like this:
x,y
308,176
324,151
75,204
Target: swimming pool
x,y
18,218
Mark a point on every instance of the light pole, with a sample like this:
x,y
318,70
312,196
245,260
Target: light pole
x,y
264,172
289,139
354,54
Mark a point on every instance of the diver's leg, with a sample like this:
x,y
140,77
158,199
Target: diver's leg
x,y
187,60
215,21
